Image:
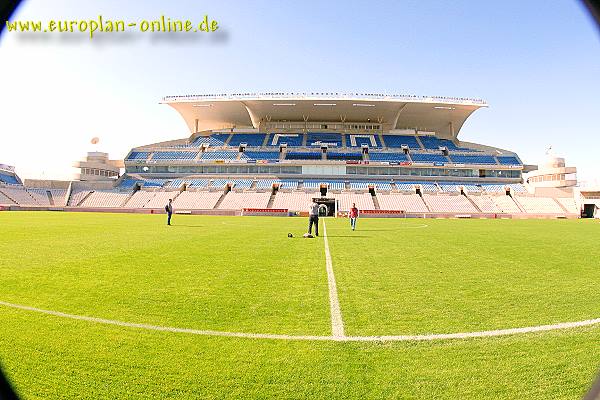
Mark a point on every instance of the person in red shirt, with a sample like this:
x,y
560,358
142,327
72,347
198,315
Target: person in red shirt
x,y
353,215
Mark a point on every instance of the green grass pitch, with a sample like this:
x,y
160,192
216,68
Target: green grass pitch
x,y
243,274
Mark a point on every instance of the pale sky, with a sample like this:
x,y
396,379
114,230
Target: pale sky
x,y
537,64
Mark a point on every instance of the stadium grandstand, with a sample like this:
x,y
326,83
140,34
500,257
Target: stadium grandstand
x,y
277,152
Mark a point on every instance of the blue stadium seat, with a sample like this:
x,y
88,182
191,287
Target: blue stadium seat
x,y
344,156
428,158
319,139
255,140
303,155
216,140
220,155
174,155
138,155
462,159
396,141
261,155
291,139
389,157
360,140
508,160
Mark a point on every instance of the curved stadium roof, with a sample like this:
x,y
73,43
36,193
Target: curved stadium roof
x,y
443,115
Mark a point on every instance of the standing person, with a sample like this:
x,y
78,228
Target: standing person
x,y
169,210
353,214
313,218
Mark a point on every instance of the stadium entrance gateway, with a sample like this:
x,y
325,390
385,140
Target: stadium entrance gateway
x,y
327,206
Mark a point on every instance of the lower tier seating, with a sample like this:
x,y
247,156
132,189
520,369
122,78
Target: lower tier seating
x,y
402,202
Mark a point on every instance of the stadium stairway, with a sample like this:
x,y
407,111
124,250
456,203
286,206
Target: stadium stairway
x,y
517,203
218,203
375,201
84,198
472,202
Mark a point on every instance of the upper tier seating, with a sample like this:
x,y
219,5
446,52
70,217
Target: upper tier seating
x,y
261,155
105,198
138,155
174,155
251,139
429,187
396,141
216,140
434,143
294,201
389,157
462,159
220,155
517,188
127,183
198,183
320,139
539,205
358,140
428,158
219,183
291,139
240,184
508,160
239,200
266,183
402,202
363,201
449,203
190,200
10,179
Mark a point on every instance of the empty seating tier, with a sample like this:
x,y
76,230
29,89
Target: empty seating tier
x,y
448,203
363,201
362,140
105,199
289,139
396,141
428,158
324,139
294,201
261,155
250,139
220,155
190,200
138,155
303,156
462,159
508,160
174,155
239,200
390,157
344,156
402,202
539,205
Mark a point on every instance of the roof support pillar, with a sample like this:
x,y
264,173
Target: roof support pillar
x,y
397,116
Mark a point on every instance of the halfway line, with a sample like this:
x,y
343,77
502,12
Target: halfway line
x,y
337,324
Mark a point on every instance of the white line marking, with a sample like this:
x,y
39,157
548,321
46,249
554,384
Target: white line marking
x,y
337,324
384,338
